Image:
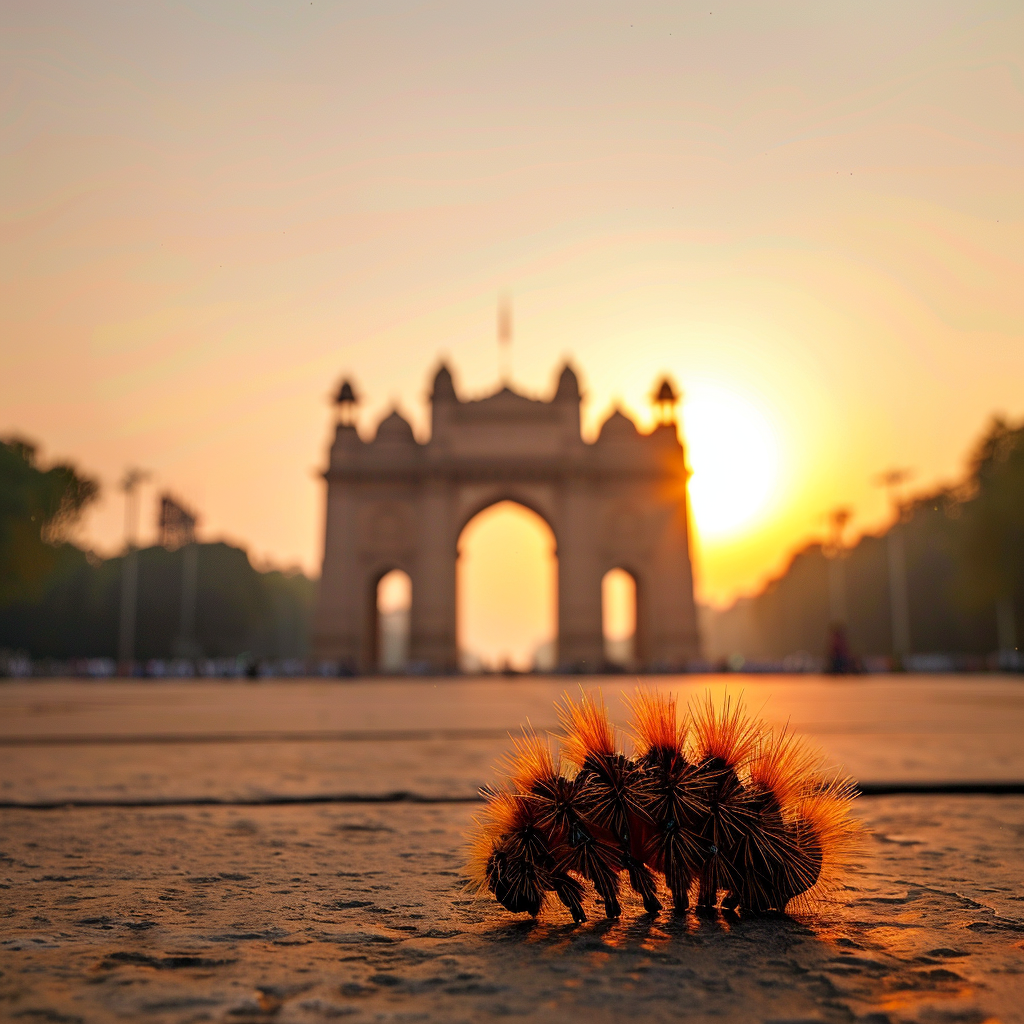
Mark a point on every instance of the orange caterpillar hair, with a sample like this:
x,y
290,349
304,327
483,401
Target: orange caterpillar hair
x,y
736,814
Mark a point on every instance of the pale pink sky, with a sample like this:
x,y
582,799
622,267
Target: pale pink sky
x,y
212,211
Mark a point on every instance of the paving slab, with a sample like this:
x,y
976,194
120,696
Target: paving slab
x,y
437,768
73,741
328,913
816,705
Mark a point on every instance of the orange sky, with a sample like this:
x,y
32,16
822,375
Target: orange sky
x,y
210,212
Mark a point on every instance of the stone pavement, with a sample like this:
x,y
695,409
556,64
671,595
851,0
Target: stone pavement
x,y
245,910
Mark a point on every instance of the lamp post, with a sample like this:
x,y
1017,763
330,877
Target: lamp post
x,y
840,660
835,552
899,600
178,531
129,573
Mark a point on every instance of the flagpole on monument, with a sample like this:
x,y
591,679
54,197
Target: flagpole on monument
x,y
505,341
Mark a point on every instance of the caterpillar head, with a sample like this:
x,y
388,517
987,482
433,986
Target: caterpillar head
x,y
515,870
513,882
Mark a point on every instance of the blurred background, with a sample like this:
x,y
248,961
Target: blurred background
x,y
810,217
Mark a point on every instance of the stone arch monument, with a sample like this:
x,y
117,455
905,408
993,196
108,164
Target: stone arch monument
x,y
396,503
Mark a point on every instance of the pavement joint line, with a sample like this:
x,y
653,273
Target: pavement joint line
x,y
305,736
867,789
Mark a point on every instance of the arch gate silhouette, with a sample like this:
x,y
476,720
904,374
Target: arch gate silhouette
x,y
394,503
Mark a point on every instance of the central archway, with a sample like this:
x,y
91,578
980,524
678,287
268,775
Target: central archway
x,y
507,591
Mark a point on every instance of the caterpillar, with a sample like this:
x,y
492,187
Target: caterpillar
x,y
730,813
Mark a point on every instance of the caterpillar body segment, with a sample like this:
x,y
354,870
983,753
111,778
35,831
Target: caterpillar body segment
x,y
516,863
674,793
559,806
612,789
728,812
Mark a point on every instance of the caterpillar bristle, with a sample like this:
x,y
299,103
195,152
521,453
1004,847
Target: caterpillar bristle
x,y
785,765
479,848
530,763
734,814
828,826
724,734
654,723
588,731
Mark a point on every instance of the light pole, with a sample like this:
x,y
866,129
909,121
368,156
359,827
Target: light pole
x,y
899,600
839,658
129,572
178,532
835,551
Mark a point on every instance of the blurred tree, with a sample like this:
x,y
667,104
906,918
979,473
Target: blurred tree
x,y
964,557
991,541
239,610
37,508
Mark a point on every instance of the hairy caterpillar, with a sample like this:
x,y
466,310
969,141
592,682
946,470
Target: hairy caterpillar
x,y
728,811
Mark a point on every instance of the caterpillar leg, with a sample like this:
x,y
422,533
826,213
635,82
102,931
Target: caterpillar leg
x,y
593,858
571,893
707,895
678,881
607,886
641,879
714,877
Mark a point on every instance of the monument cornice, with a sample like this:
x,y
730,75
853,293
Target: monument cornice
x,y
459,470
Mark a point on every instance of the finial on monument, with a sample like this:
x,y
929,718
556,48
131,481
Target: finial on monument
x,y
444,387
665,398
346,401
568,384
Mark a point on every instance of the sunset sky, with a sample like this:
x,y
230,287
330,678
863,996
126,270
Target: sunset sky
x,y
809,214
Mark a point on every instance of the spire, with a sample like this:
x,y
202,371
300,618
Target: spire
x,y
346,401
664,398
444,389
568,386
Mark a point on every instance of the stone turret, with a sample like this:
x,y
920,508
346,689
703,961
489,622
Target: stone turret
x,y
444,387
568,389
618,428
394,429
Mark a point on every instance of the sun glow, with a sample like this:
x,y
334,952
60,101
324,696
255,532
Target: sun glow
x,y
734,457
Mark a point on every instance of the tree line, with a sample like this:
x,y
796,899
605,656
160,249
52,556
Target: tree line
x,y
963,548
60,601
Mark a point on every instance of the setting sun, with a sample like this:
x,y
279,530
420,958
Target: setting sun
x,y
734,456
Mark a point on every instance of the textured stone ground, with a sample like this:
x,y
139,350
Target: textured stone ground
x,y
334,911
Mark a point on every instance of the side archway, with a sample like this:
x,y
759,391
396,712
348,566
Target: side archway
x,y
388,636
620,619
